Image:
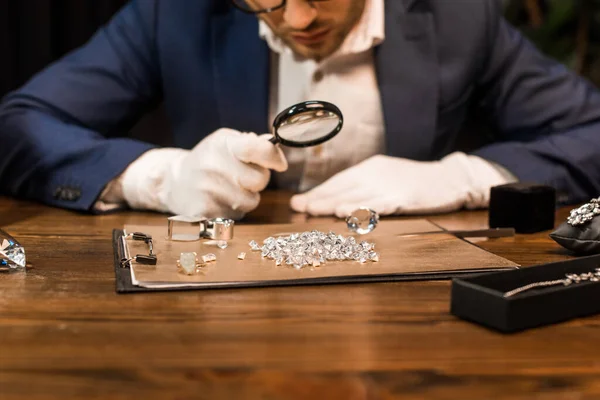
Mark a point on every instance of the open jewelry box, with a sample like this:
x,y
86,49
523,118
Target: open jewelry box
x,y
482,298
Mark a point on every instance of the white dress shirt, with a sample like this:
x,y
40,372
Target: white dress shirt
x,y
347,79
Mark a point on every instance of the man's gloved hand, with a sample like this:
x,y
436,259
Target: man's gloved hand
x,y
391,185
220,177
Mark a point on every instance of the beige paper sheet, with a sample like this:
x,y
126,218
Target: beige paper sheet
x,y
419,254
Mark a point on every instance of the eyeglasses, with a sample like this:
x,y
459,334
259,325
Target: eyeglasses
x,y
262,6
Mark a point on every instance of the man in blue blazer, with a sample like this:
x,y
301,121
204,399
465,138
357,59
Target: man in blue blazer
x,y
412,77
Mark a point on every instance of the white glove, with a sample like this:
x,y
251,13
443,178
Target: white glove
x,y
391,185
220,177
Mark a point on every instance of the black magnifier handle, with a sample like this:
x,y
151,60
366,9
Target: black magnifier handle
x,y
274,140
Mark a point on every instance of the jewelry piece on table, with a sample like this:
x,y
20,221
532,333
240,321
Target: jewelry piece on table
x,y
362,221
12,254
585,213
568,280
220,229
188,263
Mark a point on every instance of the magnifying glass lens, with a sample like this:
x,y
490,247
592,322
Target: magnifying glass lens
x,y
307,124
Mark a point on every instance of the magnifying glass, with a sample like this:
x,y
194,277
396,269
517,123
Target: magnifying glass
x,y
307,124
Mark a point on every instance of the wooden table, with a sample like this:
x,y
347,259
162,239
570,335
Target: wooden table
x,y
64,333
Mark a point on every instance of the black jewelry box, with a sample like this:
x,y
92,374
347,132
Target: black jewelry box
x,y
480,298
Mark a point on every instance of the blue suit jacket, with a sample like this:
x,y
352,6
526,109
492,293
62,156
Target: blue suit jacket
x,y
64,134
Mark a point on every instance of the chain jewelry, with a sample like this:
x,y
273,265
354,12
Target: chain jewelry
x,y
569,279
585,213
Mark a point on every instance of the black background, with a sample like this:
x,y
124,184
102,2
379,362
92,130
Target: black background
x,y
34,33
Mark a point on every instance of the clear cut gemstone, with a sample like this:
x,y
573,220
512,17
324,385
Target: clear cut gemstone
x,y
315,248
373,256
222,244
209,258
12,254
362,221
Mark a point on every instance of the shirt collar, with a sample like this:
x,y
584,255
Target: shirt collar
x,y
367,33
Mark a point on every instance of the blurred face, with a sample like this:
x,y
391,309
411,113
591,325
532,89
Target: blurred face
x,y
313,29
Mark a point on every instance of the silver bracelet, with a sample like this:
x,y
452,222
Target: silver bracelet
x,y
569,279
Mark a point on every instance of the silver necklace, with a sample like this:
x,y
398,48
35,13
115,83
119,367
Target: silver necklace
x,y
568,280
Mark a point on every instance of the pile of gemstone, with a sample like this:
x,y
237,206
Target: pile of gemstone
x,y
314,248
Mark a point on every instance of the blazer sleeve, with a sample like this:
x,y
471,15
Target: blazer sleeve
x,y
547,117
63,134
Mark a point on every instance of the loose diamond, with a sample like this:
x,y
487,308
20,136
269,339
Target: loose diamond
x,y
373,256
362,221
222,244
315,248
254,246
12,254
241,256
209,257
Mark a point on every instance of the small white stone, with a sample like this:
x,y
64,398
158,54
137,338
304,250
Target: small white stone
x,y
209,257
222,244
241,256
188,261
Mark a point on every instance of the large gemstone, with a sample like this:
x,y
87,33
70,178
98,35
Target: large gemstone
x,y
12,254
362,221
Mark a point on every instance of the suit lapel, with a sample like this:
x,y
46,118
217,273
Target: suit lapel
x,y
407,73
241,72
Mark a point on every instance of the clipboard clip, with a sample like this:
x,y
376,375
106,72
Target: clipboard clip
x,y
145,259
220,229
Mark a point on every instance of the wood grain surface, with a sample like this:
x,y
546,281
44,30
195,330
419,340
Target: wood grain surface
x,y
65,333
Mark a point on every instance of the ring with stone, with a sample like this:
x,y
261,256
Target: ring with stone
x,y
188,263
